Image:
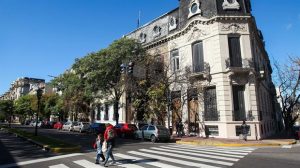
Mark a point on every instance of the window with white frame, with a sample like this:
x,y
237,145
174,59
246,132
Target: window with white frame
x,y
175,60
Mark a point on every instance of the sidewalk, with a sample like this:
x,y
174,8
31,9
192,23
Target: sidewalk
x,y
199,141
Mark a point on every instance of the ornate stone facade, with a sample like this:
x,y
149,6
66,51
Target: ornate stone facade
x,y
231,59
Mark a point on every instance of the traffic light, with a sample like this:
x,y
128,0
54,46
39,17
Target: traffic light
x,y
130,67
123,68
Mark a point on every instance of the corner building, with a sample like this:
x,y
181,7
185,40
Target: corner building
x,y
220,42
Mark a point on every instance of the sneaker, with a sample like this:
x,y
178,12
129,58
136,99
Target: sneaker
x,y
96,162
113,163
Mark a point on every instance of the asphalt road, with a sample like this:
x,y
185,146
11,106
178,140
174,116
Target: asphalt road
x,y
136,154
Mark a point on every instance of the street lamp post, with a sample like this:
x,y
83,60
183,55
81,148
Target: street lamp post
x,y
39,93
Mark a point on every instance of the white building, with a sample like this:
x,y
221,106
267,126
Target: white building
x,y
221,44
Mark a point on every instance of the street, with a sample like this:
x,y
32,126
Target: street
x,y
136,153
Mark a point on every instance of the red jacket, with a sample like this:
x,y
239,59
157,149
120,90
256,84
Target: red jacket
x,y
106,131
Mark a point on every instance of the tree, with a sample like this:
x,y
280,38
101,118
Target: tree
x,y
75,95
102,73
53,105
288,83
26,106
6,110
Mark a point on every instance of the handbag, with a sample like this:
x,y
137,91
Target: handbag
x,y
104,146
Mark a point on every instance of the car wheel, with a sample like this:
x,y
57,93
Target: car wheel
x,y
80,130
136,136
70,129
153,138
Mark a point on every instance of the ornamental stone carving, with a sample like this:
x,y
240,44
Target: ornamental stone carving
x,y
197,34
231,5
194,8
172,23
233,28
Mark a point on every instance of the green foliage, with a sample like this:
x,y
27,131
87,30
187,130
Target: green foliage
x,y
26,105
6,109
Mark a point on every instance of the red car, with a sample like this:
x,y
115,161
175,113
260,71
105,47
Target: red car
x,y
58,125
125,130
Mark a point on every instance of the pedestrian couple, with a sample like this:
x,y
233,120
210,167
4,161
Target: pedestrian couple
x,y
108,140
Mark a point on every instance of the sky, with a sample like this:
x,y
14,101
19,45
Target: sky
x,y
39,38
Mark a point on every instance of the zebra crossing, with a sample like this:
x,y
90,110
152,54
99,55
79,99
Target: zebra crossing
x,y
170,156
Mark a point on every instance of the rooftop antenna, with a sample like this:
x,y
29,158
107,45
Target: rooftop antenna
x,y
139,19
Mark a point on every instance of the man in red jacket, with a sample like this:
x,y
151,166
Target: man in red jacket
x,y
109,137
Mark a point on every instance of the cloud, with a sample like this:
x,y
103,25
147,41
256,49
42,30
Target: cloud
x,y
289,26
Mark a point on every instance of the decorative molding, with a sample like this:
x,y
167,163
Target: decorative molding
x,y
156,31
233,5
194,8
172,23
191,24
234,28
173,46
197,33
142,37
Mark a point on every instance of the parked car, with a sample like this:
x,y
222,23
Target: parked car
x,y
45,124
69,125
125,130
33,123
97,128
153,132
81,126
58,125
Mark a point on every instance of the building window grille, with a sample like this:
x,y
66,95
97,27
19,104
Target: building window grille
x,y
175,60
210,103
212,130
198,58
235,52
238,103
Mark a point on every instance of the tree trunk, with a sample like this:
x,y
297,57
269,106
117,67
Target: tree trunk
x,y
116,111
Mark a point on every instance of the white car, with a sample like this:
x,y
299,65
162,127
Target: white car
x,y
33,123
81,126
68,126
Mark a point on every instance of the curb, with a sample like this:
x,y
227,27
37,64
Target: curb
x,y
228,145
75,149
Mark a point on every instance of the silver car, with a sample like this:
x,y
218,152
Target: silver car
x,y
68,125
81,126
153,132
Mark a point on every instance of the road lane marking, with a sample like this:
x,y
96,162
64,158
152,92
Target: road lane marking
x,y
204,152
168,159
212,150
144,161
59,166
287,146
188,157
87,164
39,160
196,154
239,149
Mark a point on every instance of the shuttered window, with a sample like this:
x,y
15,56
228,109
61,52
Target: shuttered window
x,y
235,52
239,103
198,59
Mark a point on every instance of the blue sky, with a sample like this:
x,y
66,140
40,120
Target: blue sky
x,y
43,37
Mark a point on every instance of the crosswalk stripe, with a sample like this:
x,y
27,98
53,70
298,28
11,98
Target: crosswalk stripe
x,y
128,165
242,150
182,162
197,154
188,157
140,160
212,150
205,152
86,164
59,166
